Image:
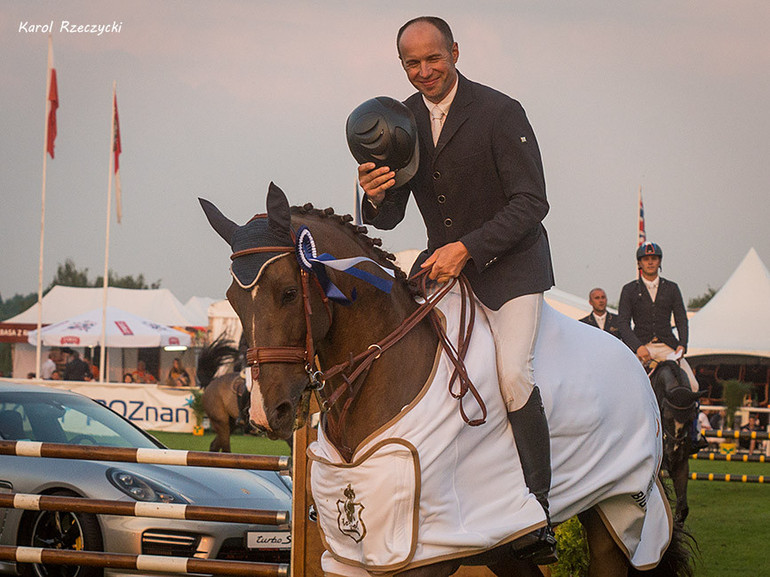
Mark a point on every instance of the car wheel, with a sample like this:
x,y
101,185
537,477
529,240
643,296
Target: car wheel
x,y
60,530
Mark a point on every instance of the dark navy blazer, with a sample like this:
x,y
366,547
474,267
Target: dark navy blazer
x,y
611,324
652,320
483,185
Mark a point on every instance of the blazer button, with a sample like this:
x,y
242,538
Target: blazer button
x,y
436,175
447,222
441,199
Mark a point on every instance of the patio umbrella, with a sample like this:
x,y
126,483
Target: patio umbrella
x,y
124,330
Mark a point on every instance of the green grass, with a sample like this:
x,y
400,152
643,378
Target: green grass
x,y
730,521
246,444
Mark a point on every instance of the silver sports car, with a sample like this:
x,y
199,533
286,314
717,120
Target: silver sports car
x,y
37,413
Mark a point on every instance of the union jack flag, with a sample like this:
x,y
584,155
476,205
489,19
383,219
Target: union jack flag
x,y
642,233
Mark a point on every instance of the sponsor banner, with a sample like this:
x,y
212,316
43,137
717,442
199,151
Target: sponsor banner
x,y
149,407
15,332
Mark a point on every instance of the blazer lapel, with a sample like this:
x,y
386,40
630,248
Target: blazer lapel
x,y
458,114
422,118
644,292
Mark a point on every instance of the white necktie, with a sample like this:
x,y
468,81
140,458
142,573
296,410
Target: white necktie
x,y
436,122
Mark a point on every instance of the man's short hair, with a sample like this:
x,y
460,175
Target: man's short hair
x,y
439,23
595,289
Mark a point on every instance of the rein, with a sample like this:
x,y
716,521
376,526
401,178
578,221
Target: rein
x,y
361,363
354,370
255,356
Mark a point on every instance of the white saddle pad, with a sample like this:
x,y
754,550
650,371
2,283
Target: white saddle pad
x,y
468,492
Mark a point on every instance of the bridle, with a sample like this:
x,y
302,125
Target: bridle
x,y
675,411
354,370
255,356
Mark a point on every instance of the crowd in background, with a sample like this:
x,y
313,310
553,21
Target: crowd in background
x,y
66,364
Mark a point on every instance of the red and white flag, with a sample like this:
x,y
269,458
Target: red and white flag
x,y
53,102
116,151
642,236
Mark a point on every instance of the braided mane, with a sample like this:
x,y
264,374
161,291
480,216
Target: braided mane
x,y
360,232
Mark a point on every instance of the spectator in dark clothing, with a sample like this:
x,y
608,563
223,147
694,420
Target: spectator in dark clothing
x,y
751,444
600,317
76,368
717,420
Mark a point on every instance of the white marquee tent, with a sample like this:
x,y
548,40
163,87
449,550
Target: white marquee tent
x,y
198,310
736,321
224,321
63,302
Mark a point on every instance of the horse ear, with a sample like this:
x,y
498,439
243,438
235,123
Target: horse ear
x,y
220,223
278,212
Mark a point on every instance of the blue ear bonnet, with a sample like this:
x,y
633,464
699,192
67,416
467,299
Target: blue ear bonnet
x,y
255,233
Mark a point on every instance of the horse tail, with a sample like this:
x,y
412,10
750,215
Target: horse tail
x,y
678,559
213,356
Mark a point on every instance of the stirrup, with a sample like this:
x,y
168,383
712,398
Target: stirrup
x,y
539,546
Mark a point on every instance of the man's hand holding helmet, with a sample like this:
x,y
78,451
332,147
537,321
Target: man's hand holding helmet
x,y
375,181
382,136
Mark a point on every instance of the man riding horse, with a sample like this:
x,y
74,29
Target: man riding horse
x,y
473,165
650,301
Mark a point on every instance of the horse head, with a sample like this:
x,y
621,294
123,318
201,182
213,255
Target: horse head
x,y
267,294
294,304
678,405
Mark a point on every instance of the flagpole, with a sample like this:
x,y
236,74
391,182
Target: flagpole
x,y
103,352
38,346
641,227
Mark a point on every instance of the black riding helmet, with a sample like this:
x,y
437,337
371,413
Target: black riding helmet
x,y
383,131
648,249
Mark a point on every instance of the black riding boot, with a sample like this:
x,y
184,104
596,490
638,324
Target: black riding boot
x,y
697,441
533,442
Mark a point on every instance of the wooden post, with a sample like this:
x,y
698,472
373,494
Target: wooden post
x,y
306,545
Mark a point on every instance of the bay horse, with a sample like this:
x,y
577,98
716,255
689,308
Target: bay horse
x,y
678,408
371,355
225,398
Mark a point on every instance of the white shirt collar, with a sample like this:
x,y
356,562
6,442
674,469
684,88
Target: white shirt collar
x,y
652,284
446,102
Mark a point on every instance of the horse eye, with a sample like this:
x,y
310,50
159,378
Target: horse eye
x,y
289,295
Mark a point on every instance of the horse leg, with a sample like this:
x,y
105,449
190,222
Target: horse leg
x,y
605,557
221,441
679,476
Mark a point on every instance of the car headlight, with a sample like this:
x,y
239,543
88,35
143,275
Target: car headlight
x,y
142,488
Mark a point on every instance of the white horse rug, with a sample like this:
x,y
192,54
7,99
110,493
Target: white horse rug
x,y
428,487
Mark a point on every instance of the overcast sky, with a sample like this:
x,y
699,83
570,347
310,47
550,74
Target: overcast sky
x,y
217,99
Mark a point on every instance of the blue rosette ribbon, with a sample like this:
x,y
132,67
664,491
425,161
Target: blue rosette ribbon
x,y
312,262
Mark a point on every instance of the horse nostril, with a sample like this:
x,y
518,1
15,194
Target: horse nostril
x,y
283,411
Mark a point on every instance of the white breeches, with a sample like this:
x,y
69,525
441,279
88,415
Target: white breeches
x,y
661,352
514,328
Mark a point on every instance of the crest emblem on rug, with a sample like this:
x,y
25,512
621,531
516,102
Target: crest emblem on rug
x,y
349,519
